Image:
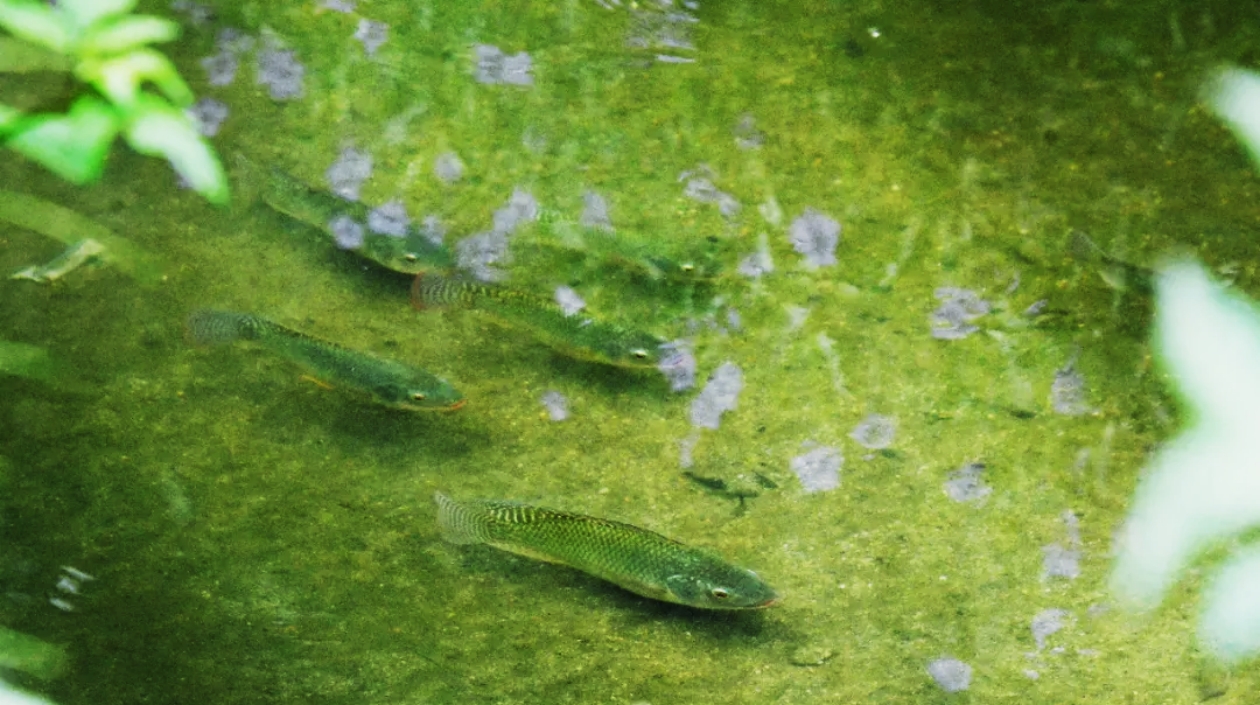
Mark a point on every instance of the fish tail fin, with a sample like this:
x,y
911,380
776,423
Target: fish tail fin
x,y
460,523
209,327
431,290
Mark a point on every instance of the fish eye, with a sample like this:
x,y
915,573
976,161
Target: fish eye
x,y
419,396
719,593
639,354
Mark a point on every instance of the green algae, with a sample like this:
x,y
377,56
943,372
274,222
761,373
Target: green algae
x,y
263,541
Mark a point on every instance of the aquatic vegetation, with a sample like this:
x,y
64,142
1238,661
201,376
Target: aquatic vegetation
x,y
720,395
388,382
818,468
29,361
815,236
580,337
632,558
106,47
1202,486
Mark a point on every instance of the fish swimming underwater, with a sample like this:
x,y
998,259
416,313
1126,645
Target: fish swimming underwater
x,y
575,335
635,559
409,254
386,381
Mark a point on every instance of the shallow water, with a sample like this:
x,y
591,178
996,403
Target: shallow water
x,y
258,538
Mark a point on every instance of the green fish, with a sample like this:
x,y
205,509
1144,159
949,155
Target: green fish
x,y
411,254
575,335
388,382
635,559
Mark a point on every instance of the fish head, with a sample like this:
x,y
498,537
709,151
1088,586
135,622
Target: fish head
x,y
423,395
721,587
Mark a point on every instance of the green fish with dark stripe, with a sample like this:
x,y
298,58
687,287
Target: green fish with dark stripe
x,y
575,335
386,381
635,559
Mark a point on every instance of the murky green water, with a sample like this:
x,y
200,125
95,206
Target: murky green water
x,y
256,538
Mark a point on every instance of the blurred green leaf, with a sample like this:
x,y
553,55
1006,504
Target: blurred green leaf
x,y
73,146
119,78
159,129
85,13
36,22
8,118
127,33
17,56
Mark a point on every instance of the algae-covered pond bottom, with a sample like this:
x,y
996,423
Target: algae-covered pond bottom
x,y
256,537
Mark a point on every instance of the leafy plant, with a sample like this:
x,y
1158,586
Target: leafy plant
x,y
105,46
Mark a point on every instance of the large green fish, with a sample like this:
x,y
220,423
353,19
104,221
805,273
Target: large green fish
x,y
410,254
388,382
575,335
638,560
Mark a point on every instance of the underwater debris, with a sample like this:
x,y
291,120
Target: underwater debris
x,y
479,254
389,218
595,212
678,364
1067,392
198,15
747,136
494,66
966,485
569,300
76,255
700,188
950,674
281,72
432,230
876,431
346,6
818,469
720,394
521,208
372,34
815,236
959,307
207,114
1059,561
347,174
660,26
233,41
347,232
221,68
1046,623
448,167
555,403
759,263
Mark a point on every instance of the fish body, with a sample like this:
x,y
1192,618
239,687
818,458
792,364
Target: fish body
x,y
410,254
635,559
388,382
575,335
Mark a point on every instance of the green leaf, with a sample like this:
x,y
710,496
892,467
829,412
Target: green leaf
x,y
36,22
17,650
17,56
9,117
119,78
85,13
73,146
159,129
127,33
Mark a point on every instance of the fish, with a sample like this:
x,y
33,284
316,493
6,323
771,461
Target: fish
x,y
411,254
641,561
575,335
388,382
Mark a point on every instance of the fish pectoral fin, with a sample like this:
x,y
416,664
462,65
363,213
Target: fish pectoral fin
x,y
317,382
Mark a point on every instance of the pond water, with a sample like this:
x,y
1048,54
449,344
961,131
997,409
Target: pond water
x,y
919,407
